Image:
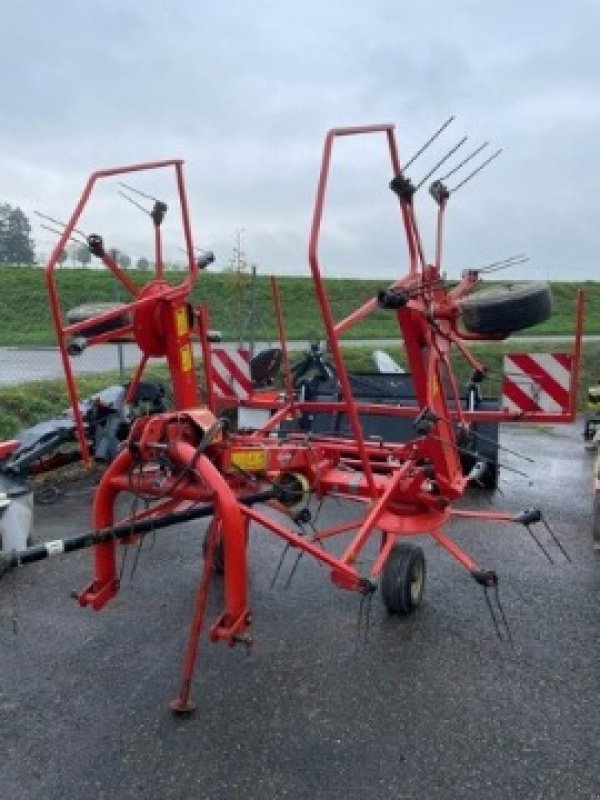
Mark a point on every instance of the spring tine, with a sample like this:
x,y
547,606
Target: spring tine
x,y
440,162
539,544
476,171
427,143
288,583
508,265
279,565
59,233
492,613
137,191
123,560
483,438
134,202
503,617
502,261
556,540
464,161
196,249
58,222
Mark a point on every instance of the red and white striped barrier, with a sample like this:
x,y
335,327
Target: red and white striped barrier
x,y
231,373
537,382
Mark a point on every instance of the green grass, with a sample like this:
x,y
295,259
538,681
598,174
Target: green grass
x,y
30,403
25,314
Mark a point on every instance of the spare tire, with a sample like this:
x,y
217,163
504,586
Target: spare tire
x,y
506,309
91,310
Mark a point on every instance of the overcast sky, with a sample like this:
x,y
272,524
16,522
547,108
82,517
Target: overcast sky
x,y
244,92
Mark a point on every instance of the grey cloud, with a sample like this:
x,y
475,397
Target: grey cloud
x,y
245,92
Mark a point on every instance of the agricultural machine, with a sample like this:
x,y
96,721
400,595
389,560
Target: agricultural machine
x,y
188,464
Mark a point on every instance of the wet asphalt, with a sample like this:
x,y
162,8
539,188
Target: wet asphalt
x,y
429,706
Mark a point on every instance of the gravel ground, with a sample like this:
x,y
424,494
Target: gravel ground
x,y
430,706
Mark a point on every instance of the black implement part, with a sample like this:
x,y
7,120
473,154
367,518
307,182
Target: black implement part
x,y
158,212
439,191
96,245
528,517
403,187
205,259
485,577
39,552
391,299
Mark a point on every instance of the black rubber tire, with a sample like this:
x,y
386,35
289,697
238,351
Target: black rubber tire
x,y
91,310
506,309
403,579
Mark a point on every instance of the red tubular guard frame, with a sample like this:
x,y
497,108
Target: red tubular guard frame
x,y
62,330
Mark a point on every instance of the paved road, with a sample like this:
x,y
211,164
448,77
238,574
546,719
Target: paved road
x,y
21,364
431,706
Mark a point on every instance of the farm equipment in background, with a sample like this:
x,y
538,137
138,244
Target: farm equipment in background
x,y
53,443
187,464
591,437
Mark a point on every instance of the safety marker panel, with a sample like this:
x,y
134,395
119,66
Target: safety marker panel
x,y
537,382
231,373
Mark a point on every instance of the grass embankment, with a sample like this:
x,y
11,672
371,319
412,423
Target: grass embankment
x,y
33,402
25,320
25,313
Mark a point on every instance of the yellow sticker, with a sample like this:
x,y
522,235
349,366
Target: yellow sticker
x,y
249,460
181,321
185,356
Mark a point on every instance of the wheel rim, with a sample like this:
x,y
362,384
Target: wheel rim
x,y
416,582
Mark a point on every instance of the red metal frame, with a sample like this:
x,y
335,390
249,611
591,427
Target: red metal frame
x,y
183,458
143,306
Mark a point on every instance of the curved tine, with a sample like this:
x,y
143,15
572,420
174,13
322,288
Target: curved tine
x,y
476,171
58,233
464,161
507,265
440,162
508,260
137,191
134,203
428,143
58,222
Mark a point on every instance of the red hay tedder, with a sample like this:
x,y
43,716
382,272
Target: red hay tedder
x,y
188,464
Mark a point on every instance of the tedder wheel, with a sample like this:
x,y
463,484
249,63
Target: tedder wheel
x,y
90,310
506,309
403,579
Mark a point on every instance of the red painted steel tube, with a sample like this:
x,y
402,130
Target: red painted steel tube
x,y
287,372
158,258
183,702
272,423
489,516
341,569
367,308
454,550
120,274
233,533
203,328
105,583
180,354
54,258
439,234
137,377
370,522
187,228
